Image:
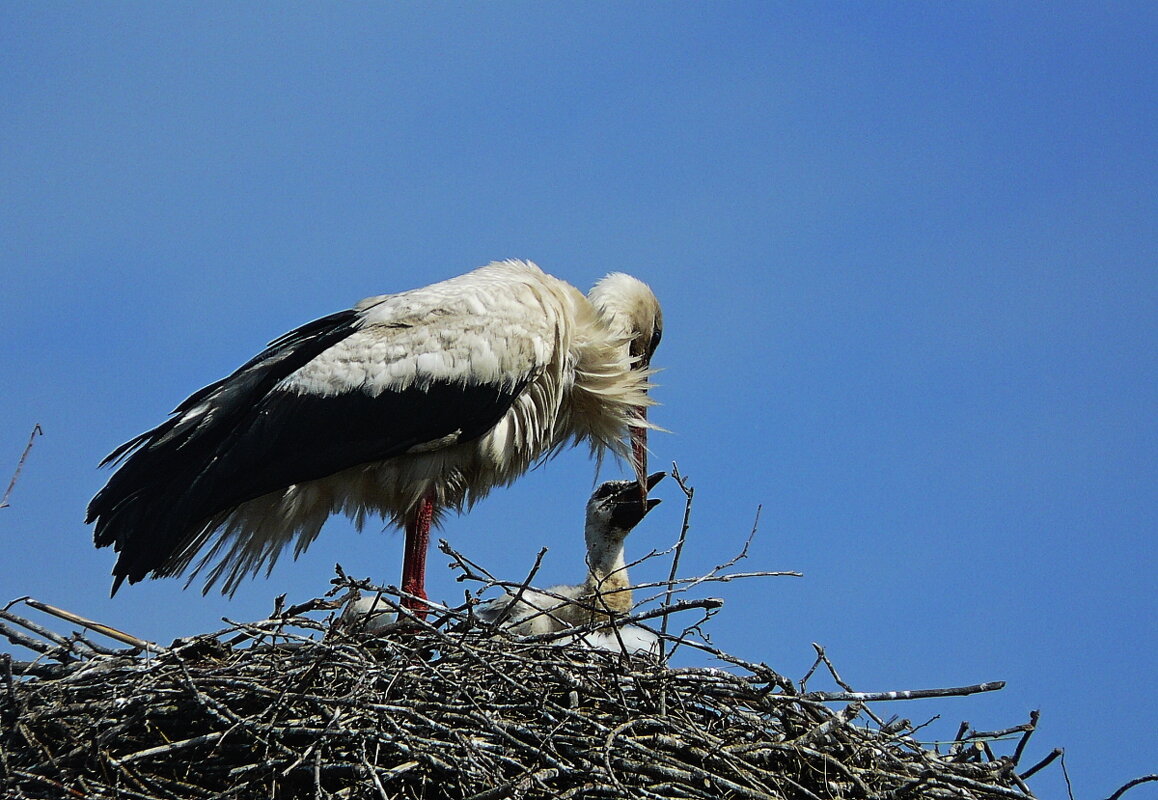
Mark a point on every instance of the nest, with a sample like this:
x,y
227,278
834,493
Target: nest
x,y
299,705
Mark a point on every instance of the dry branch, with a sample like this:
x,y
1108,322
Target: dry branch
x,y
36,431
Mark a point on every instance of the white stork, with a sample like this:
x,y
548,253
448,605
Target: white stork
x,y
403,406
613,511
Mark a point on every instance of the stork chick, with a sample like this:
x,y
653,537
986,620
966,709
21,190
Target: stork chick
x,y
614,509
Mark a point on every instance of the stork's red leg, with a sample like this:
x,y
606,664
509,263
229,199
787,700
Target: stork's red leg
x,y
414,559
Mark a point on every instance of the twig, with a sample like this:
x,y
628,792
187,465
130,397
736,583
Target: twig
x,y
1066,775
169,748
100,628
1045,762
524,587
1034,716
822,657
24,640
1128,786
36,431
910,694
685,526
39,630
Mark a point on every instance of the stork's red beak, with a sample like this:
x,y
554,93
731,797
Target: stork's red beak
x,y
638,435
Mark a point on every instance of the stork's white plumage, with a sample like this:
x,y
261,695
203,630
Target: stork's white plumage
x,y
613,511
404,406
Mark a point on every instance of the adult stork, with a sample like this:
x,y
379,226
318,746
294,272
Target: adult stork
x,y
404,406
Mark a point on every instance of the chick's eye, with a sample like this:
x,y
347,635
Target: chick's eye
x,y
606,490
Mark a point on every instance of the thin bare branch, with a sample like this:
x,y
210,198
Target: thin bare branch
x,y
685,526
1128,786
36,431
104,630
909,694
1039,766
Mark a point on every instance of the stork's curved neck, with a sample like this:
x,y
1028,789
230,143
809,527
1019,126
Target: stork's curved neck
x,y
606,569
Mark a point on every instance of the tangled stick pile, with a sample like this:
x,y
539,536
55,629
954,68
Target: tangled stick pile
x,y
295,706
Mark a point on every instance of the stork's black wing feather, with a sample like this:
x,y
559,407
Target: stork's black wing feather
x,y
254,378
292,438
244,436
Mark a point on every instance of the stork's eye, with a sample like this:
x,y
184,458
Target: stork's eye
x,y
656,334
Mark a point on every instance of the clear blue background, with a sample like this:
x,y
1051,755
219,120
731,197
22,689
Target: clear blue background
x,y
906,253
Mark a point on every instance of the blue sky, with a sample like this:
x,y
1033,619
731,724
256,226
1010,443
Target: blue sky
x,y
907,255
